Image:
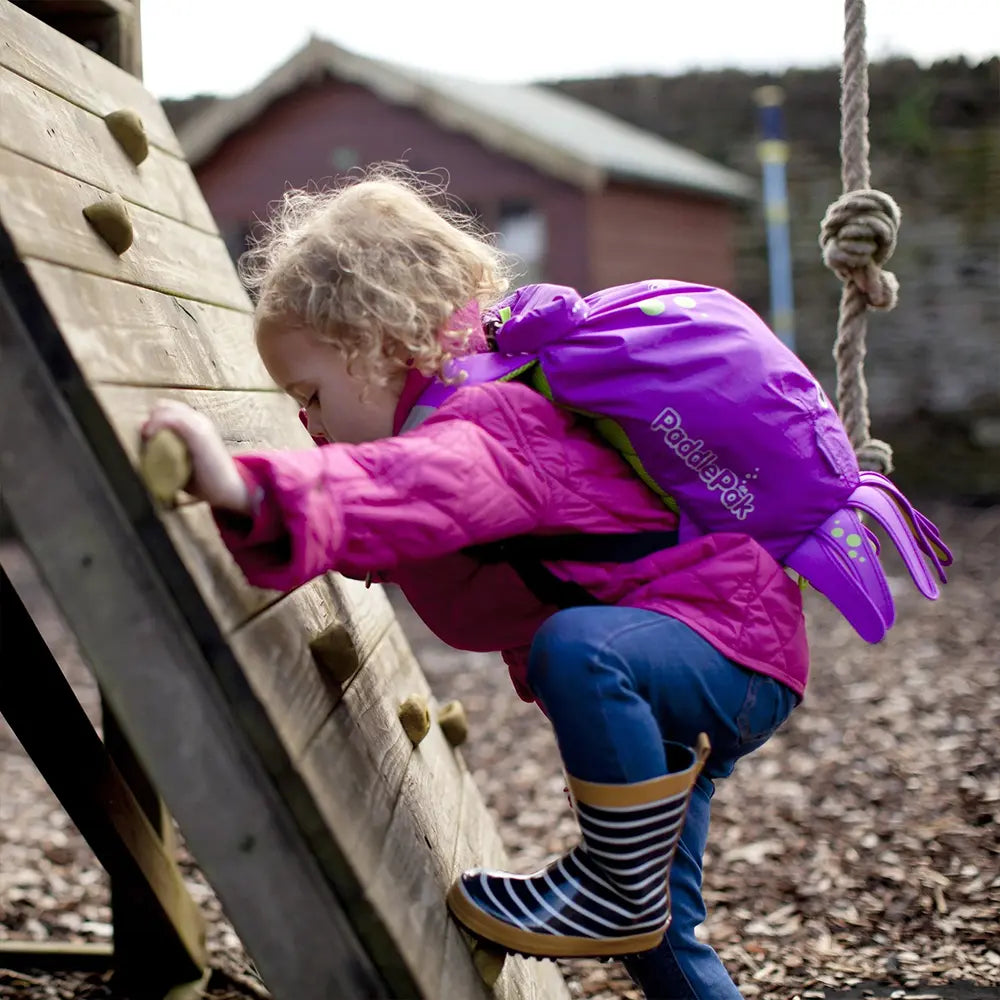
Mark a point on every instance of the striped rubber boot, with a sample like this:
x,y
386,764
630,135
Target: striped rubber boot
x,y
608,895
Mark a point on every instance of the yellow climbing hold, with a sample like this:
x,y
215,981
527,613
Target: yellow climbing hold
x,y
165,465
415,717
454,723
110,219
126,126
335,653
488,960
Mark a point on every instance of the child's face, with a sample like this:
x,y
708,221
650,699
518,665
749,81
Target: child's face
x,y
315,374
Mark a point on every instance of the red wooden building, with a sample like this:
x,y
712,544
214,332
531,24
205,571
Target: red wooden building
x,y
581,197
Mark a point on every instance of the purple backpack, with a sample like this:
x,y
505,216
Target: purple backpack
x,y
722,420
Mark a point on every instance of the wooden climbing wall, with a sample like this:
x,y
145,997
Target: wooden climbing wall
x,y
330,839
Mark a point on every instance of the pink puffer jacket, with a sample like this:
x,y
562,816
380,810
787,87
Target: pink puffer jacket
x,y
494,461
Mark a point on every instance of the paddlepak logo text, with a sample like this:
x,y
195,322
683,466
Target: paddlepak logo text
x,y
733,491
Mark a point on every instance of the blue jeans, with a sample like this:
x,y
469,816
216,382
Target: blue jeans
x,y
617,682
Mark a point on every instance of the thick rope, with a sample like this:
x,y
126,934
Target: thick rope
x,y
858,235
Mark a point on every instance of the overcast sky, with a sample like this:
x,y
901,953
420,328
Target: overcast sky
x,y
226,46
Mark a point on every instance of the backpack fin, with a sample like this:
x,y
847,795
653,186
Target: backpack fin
x,y
873,538
839,561
912,534
922,529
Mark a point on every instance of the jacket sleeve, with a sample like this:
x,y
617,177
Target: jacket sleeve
x,y
363,508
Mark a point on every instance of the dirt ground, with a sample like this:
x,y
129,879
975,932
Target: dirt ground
x,y
856,855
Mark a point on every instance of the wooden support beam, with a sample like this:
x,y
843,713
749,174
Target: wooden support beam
x,y
163,943
55,956
108,27
137,953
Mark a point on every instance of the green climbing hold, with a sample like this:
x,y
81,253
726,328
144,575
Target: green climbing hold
x,y
505,314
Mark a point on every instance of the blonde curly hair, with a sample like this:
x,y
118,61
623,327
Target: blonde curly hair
x,y
376,267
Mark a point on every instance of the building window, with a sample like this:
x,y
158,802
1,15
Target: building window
x,y
345,158
522,234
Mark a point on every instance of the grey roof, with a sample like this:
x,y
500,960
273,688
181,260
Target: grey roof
x,y
556,134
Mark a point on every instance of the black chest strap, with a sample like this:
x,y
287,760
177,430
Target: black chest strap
x,y
527,554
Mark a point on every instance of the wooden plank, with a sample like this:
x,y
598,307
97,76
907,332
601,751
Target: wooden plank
x,y
42,210
100,8
246,420
223,587
400,834
235,604
121,333
54,956
262,420
43,55
274,648
50,130
163,665
356,767
167,938
420,844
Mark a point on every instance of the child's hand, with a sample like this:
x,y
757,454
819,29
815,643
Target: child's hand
x,y
214,476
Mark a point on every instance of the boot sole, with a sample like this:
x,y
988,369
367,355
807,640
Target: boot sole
x,y
536,945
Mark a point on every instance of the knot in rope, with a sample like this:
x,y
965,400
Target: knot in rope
x,y
858,235
874,456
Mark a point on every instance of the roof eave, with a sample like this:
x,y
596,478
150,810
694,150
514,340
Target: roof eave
x,y
513,142
739,189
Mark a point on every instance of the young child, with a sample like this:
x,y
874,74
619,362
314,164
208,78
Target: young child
x,y
675,664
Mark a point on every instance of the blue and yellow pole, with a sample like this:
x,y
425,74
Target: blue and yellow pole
x,y
772,151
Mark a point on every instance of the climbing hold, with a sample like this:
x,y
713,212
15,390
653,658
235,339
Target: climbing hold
x,y
488,960
454,723
415,717
335,653
109,217
165,465
126,126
